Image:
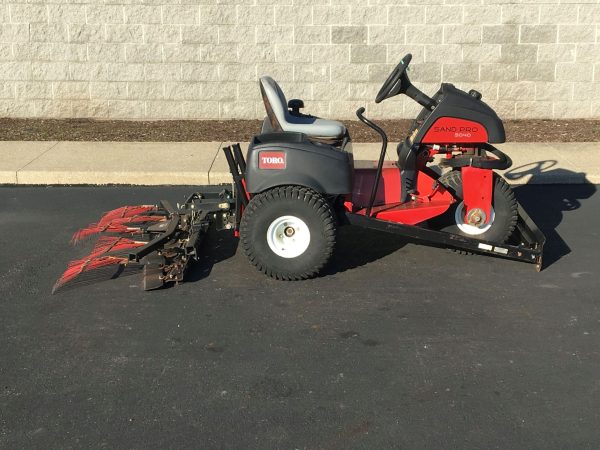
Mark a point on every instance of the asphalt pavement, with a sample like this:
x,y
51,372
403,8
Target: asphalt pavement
x,y
397,346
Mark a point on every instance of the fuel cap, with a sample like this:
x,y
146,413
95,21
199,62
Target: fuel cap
x,y
475,94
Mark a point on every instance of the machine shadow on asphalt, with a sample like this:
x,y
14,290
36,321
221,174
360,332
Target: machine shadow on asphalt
x,y
358,246
218,246
546,203
355,247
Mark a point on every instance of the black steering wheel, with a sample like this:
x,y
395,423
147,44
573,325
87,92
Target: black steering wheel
x,y
395,83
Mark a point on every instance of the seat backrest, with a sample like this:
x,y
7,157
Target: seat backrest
x,y
275,102
280,119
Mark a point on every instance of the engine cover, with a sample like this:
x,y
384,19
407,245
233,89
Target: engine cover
x,y
289,158
453,130
458,118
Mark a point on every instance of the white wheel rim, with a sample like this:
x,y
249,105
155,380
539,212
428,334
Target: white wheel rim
x,y
288,236
467,228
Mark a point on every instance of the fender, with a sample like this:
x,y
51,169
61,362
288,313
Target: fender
x,y
283,179
278,159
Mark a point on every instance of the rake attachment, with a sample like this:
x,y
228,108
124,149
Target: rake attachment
x,y
159,240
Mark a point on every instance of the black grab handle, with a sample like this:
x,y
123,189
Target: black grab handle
x,y
359,113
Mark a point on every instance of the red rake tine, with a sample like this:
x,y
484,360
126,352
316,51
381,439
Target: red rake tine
x,y
126,211
109,244
93,228
136,219
118,225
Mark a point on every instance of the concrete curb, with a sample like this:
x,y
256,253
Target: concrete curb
x,y
200,163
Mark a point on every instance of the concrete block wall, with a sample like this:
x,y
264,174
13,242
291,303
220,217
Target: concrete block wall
x,y
168,59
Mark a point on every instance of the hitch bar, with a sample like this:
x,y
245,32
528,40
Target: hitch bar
x,y
527,246
158,241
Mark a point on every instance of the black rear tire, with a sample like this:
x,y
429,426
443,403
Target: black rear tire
x,y
504,205
293,210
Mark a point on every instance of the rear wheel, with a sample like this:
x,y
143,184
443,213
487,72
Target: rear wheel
x,y
503,215
288,232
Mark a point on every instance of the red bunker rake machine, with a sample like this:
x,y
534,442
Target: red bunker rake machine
x,y
299,182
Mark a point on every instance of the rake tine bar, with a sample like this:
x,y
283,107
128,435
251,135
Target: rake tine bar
x,y
126,211
133,224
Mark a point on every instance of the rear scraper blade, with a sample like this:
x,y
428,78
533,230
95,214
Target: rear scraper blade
x,y
92,270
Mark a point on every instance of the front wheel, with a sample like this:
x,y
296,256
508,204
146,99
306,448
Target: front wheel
x,y
503,215
288,232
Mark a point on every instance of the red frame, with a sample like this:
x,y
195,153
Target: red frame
x,y
477,185
430,200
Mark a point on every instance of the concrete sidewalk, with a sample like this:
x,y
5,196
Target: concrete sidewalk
x,y
198,163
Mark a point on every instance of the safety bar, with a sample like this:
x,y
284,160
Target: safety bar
x,y
360,114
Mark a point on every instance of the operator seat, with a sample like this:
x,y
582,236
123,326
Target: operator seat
x,y
279,118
